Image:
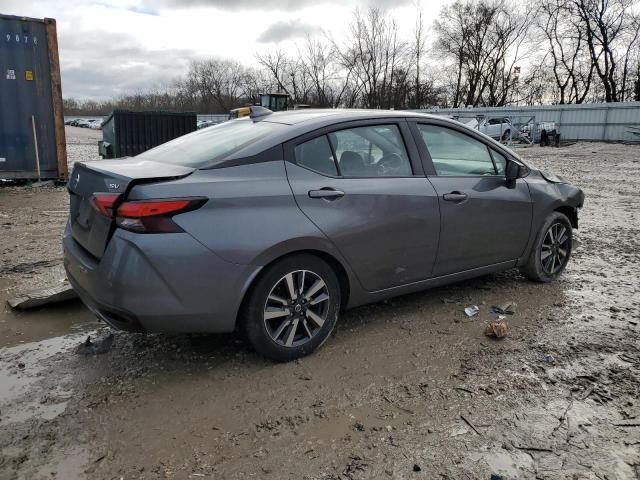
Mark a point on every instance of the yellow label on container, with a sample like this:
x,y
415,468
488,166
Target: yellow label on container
x,y
28,75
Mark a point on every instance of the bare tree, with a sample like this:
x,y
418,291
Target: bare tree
x,y
632,54
504,49
570,60
418,50
636,83
485,41
454,30
606,24
375,56
277,65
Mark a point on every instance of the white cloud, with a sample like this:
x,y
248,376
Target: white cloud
x,y
279,31
109,47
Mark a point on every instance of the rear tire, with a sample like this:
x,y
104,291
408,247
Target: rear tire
x,y
292,308
551,250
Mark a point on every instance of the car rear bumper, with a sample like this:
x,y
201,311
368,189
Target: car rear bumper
x,y
158,283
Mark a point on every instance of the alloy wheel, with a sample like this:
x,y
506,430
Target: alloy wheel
x,y
296,308
555,249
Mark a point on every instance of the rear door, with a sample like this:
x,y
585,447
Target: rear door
x,y
362,184
483,222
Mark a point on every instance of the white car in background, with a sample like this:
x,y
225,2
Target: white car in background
x,y
498,128
204,124
95,123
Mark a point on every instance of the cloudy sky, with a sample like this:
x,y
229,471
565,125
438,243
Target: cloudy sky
x,y
109,47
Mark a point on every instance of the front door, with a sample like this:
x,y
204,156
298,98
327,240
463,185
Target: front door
x,y
483,221
357,185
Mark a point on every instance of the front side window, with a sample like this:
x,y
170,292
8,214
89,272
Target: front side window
x,y
372,151
455,153
500,162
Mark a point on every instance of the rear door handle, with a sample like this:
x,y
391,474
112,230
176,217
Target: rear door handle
x,y
455,196
328,193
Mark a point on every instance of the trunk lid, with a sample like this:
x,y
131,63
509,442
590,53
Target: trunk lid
x,y
89,227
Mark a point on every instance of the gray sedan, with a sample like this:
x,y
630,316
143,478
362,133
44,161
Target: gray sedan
x,y
277,222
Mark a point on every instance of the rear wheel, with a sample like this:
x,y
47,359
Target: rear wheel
x,y
292,308
551,251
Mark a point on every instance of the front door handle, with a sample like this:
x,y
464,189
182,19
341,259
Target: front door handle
x,y
455,196
327,192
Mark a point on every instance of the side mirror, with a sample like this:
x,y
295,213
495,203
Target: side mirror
x,y
512,173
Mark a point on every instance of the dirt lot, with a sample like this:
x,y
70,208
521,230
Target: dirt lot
x,y
409,388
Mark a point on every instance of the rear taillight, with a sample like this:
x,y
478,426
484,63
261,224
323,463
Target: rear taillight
x,y
154,216
104,202
148,208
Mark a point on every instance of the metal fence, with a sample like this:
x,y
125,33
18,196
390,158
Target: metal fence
x,y
608,122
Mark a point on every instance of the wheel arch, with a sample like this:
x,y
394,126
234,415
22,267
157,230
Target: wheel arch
x,y
344,280
570,212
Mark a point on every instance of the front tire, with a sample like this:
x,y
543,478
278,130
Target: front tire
x,y
551,251
292,308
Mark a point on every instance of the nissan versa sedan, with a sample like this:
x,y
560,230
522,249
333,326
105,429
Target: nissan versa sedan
x,y
277,222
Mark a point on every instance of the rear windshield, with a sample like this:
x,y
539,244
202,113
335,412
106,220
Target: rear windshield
x,y
211,145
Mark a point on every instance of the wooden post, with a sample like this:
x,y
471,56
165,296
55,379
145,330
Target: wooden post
x,y
35,145
56,95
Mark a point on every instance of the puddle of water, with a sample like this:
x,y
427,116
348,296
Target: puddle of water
x,y
22,369
69,464
34,410
510,464
20,328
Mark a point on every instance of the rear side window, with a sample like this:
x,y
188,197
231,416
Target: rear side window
x,y
206,147
455,153
316,155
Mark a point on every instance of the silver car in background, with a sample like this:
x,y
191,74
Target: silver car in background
x,y
277,222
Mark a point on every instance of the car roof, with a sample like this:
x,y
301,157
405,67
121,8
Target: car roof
x,y
330,116
300,122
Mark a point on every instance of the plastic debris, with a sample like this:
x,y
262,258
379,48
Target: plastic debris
x,y
43,183
508,308
472,310
96,348
549,358
60,293
416,467
497,329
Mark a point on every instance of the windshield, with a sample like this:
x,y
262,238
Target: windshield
x,y
210,145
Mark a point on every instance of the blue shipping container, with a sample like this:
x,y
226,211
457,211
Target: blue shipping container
x,y
32,141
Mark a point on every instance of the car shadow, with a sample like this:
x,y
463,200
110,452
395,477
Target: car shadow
x,y
174,351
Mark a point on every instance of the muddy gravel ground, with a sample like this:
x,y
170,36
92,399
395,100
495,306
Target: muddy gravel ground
x,y
409,388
